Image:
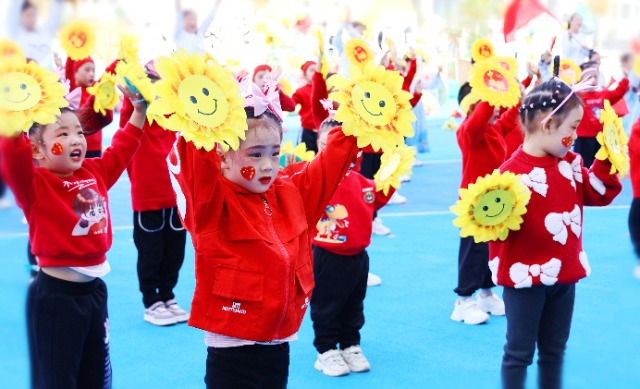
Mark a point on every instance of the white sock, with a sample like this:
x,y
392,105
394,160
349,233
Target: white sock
x,y
485,292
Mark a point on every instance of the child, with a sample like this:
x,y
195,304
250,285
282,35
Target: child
x,y
36,42
341,267
302,96
481,138
188,35
249,225
586,144
262,75
64,198
157,231
634,212
540,264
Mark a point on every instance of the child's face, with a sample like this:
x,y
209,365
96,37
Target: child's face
x,y
308,75
28,18
85,75
260,79
255,165
558,139
190,22
63,146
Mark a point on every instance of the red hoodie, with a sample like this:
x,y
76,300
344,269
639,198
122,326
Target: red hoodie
x,y
69,221
254,272
302,96
482,145
590,125
547,250
345,227
150,185
634,155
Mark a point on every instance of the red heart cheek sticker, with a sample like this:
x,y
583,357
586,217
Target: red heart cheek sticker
x,y
57,149
248,172
567,142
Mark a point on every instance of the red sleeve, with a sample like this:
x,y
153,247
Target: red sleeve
x,y
286,103
91,120
125,112
527,81
116,157
600,187
634,155
615,95
477,123
509,121
415,99
411,73
319,180
199,177
298,96
17,169
318,92
382,199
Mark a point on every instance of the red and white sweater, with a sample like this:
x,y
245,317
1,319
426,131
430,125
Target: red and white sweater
x,y
590,125
547,249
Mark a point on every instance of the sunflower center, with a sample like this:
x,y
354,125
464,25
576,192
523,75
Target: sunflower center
x,y
204,101
374,103
494,207
19,92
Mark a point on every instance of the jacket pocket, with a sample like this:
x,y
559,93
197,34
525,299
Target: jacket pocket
x,y
304,286
237,295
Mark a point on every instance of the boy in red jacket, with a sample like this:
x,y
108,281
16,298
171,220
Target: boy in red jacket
x,y
157,231
64,198
481,138
341,268
249,224
302,97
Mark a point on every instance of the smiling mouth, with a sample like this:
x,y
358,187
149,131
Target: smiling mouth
x,y
76,154
369,112
497,213
265,180
212,112
21,101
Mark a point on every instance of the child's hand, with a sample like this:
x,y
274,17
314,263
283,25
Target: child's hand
x,y
139,106
418,87
276,73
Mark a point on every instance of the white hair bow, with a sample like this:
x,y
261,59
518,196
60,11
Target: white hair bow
x,y
557,223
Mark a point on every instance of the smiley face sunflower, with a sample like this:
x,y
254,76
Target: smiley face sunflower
x,y
78,40
492,206
492,83
28,94
394,165
201,99
614,141
105,92
373,107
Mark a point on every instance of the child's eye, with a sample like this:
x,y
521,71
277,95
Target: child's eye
x,y
275,154
255,155
63,134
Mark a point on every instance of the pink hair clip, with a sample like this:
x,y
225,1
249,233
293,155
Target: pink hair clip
x,y
74,98
582,86
328,105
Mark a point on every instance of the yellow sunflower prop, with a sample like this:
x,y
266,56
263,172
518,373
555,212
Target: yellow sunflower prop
x,y
78,39
393,165
28,94
300,151
482,50
636,65
202,100
323,65
373,106
510,64
569,72
105,93
129,48
492,206
137,75
494,84
614,141
358,52
9,49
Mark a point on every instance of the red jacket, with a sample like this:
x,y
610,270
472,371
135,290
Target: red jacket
x,y
634,155
345,226
483,146
150,185
548,247
286,103
302,96
318,92
69,223
254,271
590,125
92,122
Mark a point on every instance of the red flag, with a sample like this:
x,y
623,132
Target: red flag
x,y
518,14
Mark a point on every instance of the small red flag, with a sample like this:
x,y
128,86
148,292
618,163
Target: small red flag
x,y
518,14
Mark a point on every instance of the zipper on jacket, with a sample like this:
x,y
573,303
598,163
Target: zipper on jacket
x,y
269,212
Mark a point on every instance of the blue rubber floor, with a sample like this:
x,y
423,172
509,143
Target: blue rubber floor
x,y
408,337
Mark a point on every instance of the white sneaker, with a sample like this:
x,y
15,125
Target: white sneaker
x,y
373,280
636,271
4,203
331,363
466,310
158,315
405,178
24,220
378,228
355,359
491,304
180,314
397,198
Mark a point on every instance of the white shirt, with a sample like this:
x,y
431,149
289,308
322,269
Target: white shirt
x,y
38,44
572,48
193,43
211,339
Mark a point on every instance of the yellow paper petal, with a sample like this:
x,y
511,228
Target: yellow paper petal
x,y
78,39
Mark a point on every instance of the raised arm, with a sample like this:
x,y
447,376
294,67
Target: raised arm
x,y
17,169
618,93
318,92
477,123
55,17
206,23
13,18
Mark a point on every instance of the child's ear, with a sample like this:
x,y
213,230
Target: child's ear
x,y
548,126
36,152
224,162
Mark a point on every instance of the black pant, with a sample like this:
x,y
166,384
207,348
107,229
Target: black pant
x,y
248,367
473,267
68,331
160,239
587,147
369,166
538,315
3,188
94,154
310,139
337,303
33,261
634,225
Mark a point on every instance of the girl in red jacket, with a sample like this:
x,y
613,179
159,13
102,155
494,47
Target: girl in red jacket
x,y
64,198
250,228
539,265
634,212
